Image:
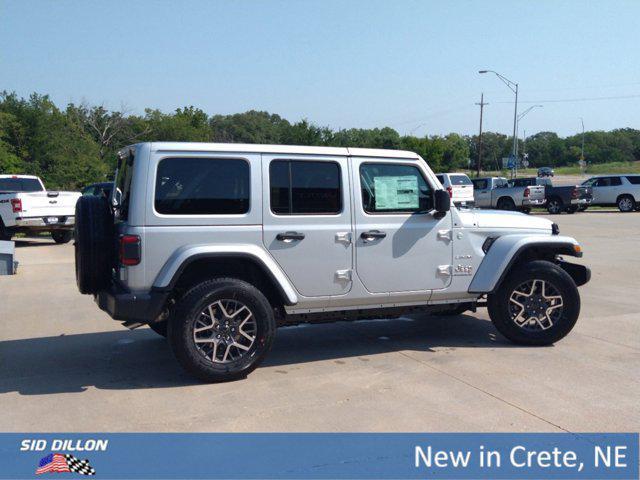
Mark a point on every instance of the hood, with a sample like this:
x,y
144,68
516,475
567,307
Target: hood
x,y
507,220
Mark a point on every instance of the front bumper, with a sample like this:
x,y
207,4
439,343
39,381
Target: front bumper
x,y
132,308
43,223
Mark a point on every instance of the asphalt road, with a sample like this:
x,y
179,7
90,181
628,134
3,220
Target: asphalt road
x,y
66,366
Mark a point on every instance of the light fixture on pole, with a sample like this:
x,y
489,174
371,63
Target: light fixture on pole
x,y
513,86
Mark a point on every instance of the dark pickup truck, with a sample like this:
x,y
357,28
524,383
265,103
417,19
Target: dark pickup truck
x,y
570,198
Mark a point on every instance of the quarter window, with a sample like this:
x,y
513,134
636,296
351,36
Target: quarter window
x,y
305,188
202,186
392,188
635,180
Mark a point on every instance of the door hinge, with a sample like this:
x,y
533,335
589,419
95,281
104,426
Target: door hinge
x,y
444,270
445,235
344,275
343,237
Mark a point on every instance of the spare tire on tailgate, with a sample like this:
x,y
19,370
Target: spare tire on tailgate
x,y
94,246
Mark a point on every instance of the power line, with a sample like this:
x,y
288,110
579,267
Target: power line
x,y
567,100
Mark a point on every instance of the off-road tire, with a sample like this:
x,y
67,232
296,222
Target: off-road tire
x,y
189,309
506,203
94,245
159,327
626,203
498,303
62,236
555,206
5,233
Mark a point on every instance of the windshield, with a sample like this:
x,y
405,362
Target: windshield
x,y
20,185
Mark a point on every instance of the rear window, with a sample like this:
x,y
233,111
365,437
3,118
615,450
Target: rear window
x,y
635,180
480,184
20,185
459,180
202,186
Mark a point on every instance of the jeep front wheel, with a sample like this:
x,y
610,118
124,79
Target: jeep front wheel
x,y
537,304
221,329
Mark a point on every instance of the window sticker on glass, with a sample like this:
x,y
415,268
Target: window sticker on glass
x,y
396,193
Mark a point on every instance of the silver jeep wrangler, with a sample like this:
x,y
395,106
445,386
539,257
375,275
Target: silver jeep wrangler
x,y
216,245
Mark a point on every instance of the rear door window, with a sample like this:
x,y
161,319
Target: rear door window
x,y
299,187
202,186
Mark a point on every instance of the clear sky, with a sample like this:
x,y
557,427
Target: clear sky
x,y
410,65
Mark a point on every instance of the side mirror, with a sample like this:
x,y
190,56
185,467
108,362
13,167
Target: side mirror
x,y
442,201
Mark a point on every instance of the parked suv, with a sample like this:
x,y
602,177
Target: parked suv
x,y
620,190
218,244
459,187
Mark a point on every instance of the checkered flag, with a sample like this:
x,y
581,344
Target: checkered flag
x,y
79,466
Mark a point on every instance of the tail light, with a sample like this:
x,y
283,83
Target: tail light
x,y
450,190
16,205
130,250
574,193
527,192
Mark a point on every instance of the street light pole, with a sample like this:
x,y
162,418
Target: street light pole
x,y
515,134
513,86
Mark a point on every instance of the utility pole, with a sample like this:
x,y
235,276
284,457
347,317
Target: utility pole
x,y
582,148
479,164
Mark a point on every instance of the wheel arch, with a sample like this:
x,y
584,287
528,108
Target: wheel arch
x,y
622,195
191,264
509,251
506,198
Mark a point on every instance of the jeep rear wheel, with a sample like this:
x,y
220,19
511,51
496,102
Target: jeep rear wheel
x,y
221,329
537,304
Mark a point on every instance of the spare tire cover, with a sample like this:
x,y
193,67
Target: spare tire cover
x,y
94,245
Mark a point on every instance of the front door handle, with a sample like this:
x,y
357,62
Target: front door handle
x,y
289,237
372,235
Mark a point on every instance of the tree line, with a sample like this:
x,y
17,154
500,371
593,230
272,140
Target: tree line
x,y
72,147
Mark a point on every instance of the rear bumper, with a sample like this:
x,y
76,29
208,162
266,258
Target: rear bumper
x,y
464,203
534,202
580,201
132,308
42,223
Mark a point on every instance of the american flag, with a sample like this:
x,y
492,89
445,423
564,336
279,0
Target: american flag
x,y
54,462
60,463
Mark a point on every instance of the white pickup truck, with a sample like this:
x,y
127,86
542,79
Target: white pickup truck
x,y
27,207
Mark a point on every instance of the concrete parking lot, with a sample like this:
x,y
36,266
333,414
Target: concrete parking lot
x,y
66,366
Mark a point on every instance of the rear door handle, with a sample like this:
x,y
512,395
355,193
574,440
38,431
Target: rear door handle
x,y
372,235
289,237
